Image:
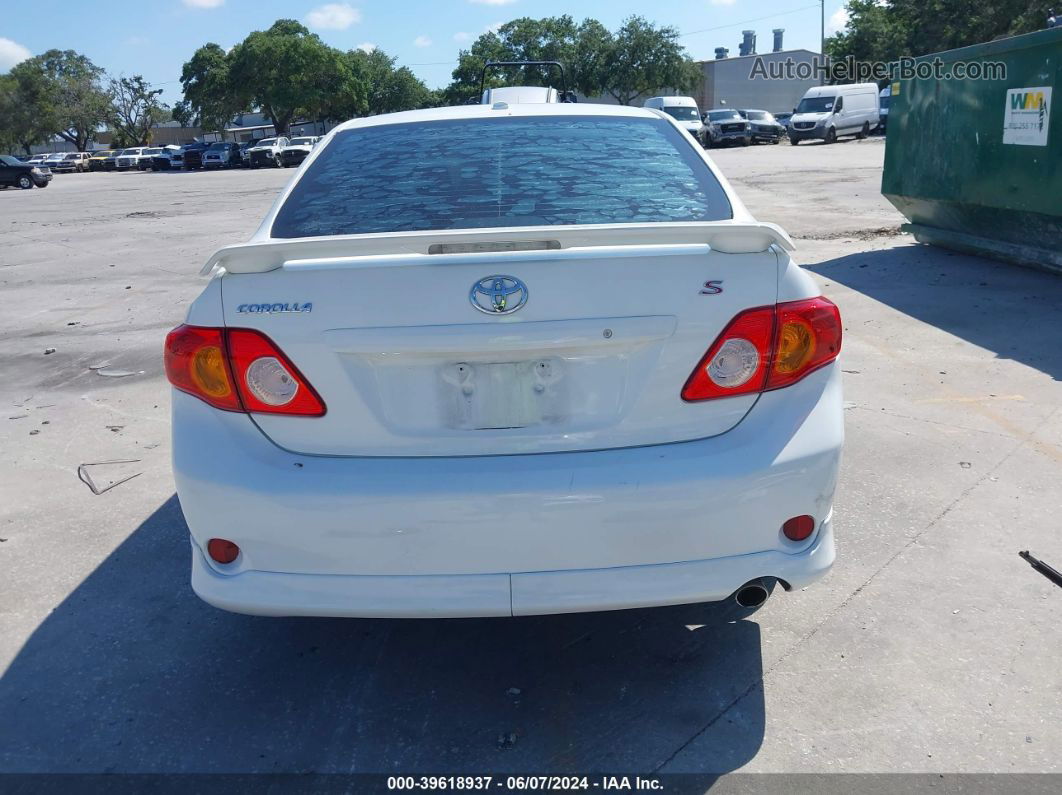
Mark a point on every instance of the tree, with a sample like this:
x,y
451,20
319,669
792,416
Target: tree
x,y
638,59
642,59
527,39
387,89
21,126
67,94
286,71
209,98
136,110
886,30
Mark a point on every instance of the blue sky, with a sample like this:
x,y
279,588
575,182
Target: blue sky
x,y
155,37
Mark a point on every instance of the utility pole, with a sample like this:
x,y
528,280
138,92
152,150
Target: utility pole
x,y
822,38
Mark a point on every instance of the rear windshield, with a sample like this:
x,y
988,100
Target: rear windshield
x,y
682,113
476,173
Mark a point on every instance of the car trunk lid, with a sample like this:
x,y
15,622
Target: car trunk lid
x,y
594,357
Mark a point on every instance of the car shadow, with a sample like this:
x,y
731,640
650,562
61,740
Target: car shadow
x,y
1004,308
132,673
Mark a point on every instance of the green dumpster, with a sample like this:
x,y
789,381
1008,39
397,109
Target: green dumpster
x,y
976,164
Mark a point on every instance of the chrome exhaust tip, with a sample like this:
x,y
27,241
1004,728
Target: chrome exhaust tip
x,y
752,594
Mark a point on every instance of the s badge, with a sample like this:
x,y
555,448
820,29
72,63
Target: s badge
x,y
712,288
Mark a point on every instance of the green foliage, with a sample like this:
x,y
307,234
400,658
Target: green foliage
x,y
885,30
638,59
64,90
289,73
136,110
284,71
209,102
20,125
388,88
644,58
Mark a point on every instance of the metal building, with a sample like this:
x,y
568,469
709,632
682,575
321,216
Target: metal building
x,y
738,82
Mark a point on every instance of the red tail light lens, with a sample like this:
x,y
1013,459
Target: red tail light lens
x,y
268,382
737,362
767,348
238,370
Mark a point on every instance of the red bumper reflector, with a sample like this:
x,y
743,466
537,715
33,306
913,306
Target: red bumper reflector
x,y
799,527
222,551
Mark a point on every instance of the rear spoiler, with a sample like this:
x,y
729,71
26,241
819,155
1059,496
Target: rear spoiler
x,y
727,237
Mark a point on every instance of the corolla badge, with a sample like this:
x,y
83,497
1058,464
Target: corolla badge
x,y
274,309
498,295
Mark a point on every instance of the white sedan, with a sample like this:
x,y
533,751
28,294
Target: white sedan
x,y
506,360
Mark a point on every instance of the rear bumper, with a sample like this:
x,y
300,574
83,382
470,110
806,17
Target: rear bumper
x,y
510,535
534,593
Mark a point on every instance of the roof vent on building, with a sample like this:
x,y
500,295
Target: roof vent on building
x,y
748,42
778,33
721,53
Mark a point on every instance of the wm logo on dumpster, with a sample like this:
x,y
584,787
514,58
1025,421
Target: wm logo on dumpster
x,y
1030,100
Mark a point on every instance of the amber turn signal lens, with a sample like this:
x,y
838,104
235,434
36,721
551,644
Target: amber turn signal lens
x,y
796,346
208,372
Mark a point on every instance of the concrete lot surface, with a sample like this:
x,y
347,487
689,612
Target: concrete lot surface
x,y
931,647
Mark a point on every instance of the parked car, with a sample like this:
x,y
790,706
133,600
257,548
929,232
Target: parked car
x,y
13,172
52,159
129,158
245,153
170,158
724,126
783,119
37,159
396,400
96,159
266,152
222,154
884,99
145,158
297,150
110,163
763,126
71,161
682,109
826,112
193,155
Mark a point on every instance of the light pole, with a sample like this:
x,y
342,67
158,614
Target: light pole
x,y
822,39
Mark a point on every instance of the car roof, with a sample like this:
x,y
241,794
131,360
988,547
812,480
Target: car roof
x,y
489,112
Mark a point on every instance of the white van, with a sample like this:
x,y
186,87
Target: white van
x,y
682,109
828,111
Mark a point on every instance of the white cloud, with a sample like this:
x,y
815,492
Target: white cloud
x,y
837,22
422,41
496,2
333,16
11,53
204,3
462,36
366,46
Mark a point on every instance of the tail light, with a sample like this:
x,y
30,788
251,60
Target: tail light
x,y
767,348
238,370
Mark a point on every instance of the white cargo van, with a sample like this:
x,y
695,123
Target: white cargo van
x,y
828,111
682,109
